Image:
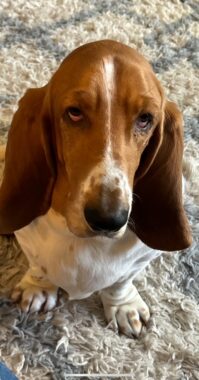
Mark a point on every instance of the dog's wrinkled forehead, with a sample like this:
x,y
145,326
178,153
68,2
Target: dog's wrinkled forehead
x,y
93,69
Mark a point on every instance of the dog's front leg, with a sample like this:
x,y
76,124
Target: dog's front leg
x,y
125,308
35,292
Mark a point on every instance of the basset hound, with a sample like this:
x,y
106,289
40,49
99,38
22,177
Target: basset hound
x,y
92,185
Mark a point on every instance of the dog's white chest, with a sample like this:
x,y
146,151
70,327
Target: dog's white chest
x,y
81,266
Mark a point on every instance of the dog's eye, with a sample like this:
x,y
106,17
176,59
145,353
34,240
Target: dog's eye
x,y
144,121
75,114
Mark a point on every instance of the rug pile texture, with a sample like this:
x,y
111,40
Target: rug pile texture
x,y
73,339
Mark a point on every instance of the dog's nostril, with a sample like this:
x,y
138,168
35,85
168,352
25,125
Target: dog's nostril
x,y
98,222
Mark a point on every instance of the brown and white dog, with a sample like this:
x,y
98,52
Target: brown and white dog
x,y
92,185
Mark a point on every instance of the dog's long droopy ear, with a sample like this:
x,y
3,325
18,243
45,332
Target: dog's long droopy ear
x,y
157,213
28,176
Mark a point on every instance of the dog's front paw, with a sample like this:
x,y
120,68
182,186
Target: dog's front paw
x,y
35,295
128,317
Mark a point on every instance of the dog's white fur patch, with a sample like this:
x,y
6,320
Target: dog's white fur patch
x,y
91,265
81,267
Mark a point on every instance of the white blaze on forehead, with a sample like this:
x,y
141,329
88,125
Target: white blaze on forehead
x,y
109,72
108,79
108,165
108,169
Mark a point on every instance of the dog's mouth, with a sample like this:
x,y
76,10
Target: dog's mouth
x,y
114,234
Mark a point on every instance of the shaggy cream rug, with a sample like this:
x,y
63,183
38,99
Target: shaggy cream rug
x,y
74,339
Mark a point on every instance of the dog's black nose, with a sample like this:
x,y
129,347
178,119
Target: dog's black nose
x,y
98,222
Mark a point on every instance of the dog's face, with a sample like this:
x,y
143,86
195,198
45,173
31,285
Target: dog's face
x,y
102,146
106,110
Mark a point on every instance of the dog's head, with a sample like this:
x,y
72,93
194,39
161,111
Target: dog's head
x,y
102,146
